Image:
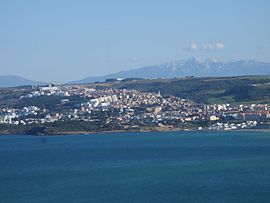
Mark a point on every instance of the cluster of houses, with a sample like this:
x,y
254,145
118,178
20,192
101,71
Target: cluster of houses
x,y
233,126
134,108
251,112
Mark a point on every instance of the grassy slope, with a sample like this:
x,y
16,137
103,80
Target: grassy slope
x,y
205,90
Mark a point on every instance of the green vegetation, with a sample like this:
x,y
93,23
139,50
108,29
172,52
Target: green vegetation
x,y
57,127
10,96
243,89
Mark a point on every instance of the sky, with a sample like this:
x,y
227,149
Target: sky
x,y
62,40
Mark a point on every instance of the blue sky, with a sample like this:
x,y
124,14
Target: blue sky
x,y
68,40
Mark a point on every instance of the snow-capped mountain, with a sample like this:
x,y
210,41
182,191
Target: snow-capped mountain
x,y
191,67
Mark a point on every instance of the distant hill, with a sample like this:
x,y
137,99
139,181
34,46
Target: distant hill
x,y
190,67
13,81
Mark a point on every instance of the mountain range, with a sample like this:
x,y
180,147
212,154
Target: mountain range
x,y
175,69
191,67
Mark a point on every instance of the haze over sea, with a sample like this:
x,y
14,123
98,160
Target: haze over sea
x,y
136,167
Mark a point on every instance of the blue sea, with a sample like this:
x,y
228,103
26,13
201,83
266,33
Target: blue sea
x,y
136,167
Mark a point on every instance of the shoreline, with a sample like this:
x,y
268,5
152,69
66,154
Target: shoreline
x,y
63,133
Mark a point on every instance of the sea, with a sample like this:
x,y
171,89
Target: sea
x,y
136,167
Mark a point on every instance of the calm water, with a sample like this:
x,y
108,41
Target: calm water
x,y
136,167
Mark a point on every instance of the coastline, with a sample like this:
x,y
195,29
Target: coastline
x,y
59,133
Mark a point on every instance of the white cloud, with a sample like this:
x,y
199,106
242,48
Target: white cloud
x,y
220,45
206,47
194,46
134,58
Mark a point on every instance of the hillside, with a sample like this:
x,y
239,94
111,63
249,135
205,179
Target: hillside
x,y
203,90
13,81
244,89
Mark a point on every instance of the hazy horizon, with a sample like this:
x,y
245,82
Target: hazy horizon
x,y
132,68
68,40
